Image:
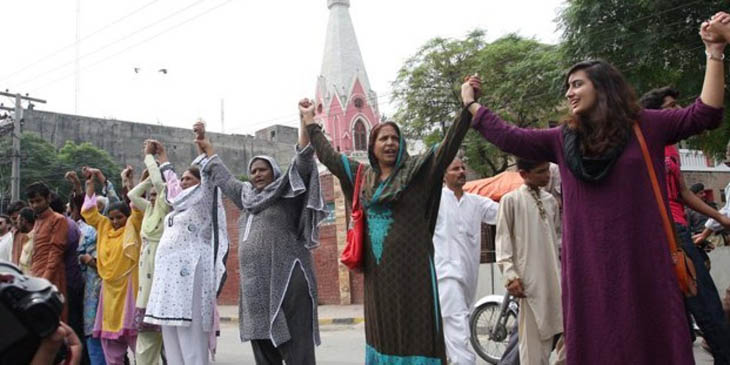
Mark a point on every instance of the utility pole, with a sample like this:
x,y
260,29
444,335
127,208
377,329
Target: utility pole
x,y
17,121
77,69
223,126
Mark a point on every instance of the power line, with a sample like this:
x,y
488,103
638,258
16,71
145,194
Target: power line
x,y
56,52
118,40
614,27
139,43
294,116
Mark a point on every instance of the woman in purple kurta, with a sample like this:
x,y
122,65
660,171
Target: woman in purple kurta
x,y
621,300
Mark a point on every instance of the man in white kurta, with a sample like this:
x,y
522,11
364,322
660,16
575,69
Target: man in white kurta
x,y
6,239
457,241
527,255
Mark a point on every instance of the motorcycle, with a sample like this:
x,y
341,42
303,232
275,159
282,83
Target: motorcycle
x,y
492,321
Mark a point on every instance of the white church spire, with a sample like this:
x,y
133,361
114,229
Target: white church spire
x,y
345,102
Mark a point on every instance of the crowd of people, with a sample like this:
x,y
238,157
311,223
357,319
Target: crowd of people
x,y
140,270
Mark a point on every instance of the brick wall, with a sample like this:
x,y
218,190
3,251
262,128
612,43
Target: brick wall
x,y
229,295
325,264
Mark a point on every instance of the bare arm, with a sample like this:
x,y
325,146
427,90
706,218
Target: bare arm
x,y
213,167
338,164
713,34
696,204
306,116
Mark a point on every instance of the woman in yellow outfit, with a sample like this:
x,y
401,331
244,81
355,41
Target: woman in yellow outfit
x,y
118,245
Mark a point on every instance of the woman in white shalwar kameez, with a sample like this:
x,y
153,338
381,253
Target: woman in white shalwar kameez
x,y
189,273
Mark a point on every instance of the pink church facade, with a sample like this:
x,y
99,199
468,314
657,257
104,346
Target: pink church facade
x,y
347,125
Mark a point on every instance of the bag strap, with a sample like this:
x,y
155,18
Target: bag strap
x,y
356,189
668,229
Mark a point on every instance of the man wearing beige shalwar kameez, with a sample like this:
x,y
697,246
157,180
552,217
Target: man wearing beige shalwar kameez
x,y
527,255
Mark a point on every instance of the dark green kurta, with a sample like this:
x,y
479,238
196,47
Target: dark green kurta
x,y
402,315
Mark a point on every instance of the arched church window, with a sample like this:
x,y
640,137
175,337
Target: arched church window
x,y
360,136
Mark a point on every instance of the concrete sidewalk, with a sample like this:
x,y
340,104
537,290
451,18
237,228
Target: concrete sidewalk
x,y
328,314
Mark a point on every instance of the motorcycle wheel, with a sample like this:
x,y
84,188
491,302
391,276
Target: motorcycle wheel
x,y
481,323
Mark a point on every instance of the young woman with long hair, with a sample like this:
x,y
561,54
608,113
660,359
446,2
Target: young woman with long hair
x,y
621,301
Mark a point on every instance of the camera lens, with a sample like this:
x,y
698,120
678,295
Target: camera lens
x,y
42,316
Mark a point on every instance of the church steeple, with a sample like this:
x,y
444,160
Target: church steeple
x,y
331,3
345,101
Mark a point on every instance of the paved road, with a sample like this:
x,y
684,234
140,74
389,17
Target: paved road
x,y
341,345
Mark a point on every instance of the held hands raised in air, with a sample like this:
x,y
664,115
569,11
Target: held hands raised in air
x,y
203,144
717,27
470,92
306,112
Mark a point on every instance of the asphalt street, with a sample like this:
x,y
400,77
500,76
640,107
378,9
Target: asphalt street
x,y
341,345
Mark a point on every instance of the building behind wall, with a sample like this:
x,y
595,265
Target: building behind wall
x,y
713,174
344,103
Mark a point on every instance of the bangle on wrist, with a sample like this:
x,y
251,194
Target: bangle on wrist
x,y
712,56
467,105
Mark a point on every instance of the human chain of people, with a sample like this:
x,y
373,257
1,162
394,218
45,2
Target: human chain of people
x,y
602,246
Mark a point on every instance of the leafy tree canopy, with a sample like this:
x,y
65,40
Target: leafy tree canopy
x,y
521,82
40,161
654,43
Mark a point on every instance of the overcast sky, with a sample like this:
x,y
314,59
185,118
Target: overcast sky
x,y
259,56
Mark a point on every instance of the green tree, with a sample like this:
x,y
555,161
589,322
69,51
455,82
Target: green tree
x,y
75,156
40,161
521,81
654,44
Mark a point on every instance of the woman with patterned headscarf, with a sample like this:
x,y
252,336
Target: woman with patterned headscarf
x,y
400,196
281,211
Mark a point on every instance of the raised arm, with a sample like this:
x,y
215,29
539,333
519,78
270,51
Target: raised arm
x,y
77,192
89,210
338,164
707,111
449,147
136,195
715,35
214,169
304,151
534,144
154,171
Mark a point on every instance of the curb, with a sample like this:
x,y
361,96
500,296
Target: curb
x,y
322,321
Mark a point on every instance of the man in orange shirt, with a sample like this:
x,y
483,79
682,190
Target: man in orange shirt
x,y
49,239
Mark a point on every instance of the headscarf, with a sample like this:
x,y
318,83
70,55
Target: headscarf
x,y
290,185
219,237
406,167
120,260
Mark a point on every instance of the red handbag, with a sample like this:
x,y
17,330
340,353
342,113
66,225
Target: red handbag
x,y
352,255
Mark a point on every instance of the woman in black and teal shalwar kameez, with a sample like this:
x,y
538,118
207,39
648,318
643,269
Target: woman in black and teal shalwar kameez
x,y
402,314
